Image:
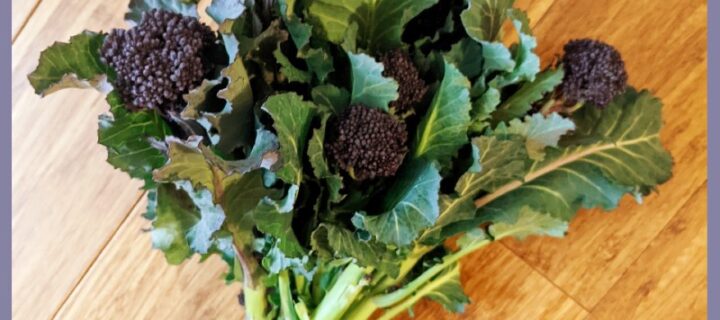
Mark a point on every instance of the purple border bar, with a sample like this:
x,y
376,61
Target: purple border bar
x,y
713,217
5,162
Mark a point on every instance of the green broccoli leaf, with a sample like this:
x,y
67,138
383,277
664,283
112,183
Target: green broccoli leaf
x,y
200,235
447,290
190,161
264,154
483,19
444,128
138,7
274,217
369,86
321,169
482,110
196,100
614,151
499,162
528,222
319,61
175,214
235,123
127,137
293,73
293,118
521,102
411,206
467,56
75,64
300,32
380,22
496,57
332,97
540,132
333,242
527,63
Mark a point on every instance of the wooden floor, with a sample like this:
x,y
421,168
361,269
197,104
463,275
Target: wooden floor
x,y
80,252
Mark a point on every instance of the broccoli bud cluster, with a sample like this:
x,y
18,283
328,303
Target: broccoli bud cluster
x,y
412,88
367,143
159,60
594,72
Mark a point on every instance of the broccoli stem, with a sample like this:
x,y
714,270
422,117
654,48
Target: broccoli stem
x,y
343,293
361,310
287,305
405,267
410,301
399,295
255,301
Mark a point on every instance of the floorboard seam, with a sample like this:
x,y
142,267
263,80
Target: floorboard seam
x,y
112,236
25,22
542,274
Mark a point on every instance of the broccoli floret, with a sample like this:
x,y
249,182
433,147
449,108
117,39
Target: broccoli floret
x,y
594,72
159,60
367,143
412,88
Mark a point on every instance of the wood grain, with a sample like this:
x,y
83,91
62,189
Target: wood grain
x,y
501,286
641,262
669,279
133,281
67,201
664,48
21,12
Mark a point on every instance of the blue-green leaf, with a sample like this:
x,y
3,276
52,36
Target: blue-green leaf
x,y
444,128
412,206
369,86
138,7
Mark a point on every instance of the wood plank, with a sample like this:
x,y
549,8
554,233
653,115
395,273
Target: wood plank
x,y
669,280
67,201
663,43
21,12
133,281
502,286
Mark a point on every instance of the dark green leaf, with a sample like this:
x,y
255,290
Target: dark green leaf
x,y
412,203
380,22
500,162
235,123
467,56
337,99
275,218
333,242
175,214
521,102
444,128
483,19
293,118
293,73
75,64
127,138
